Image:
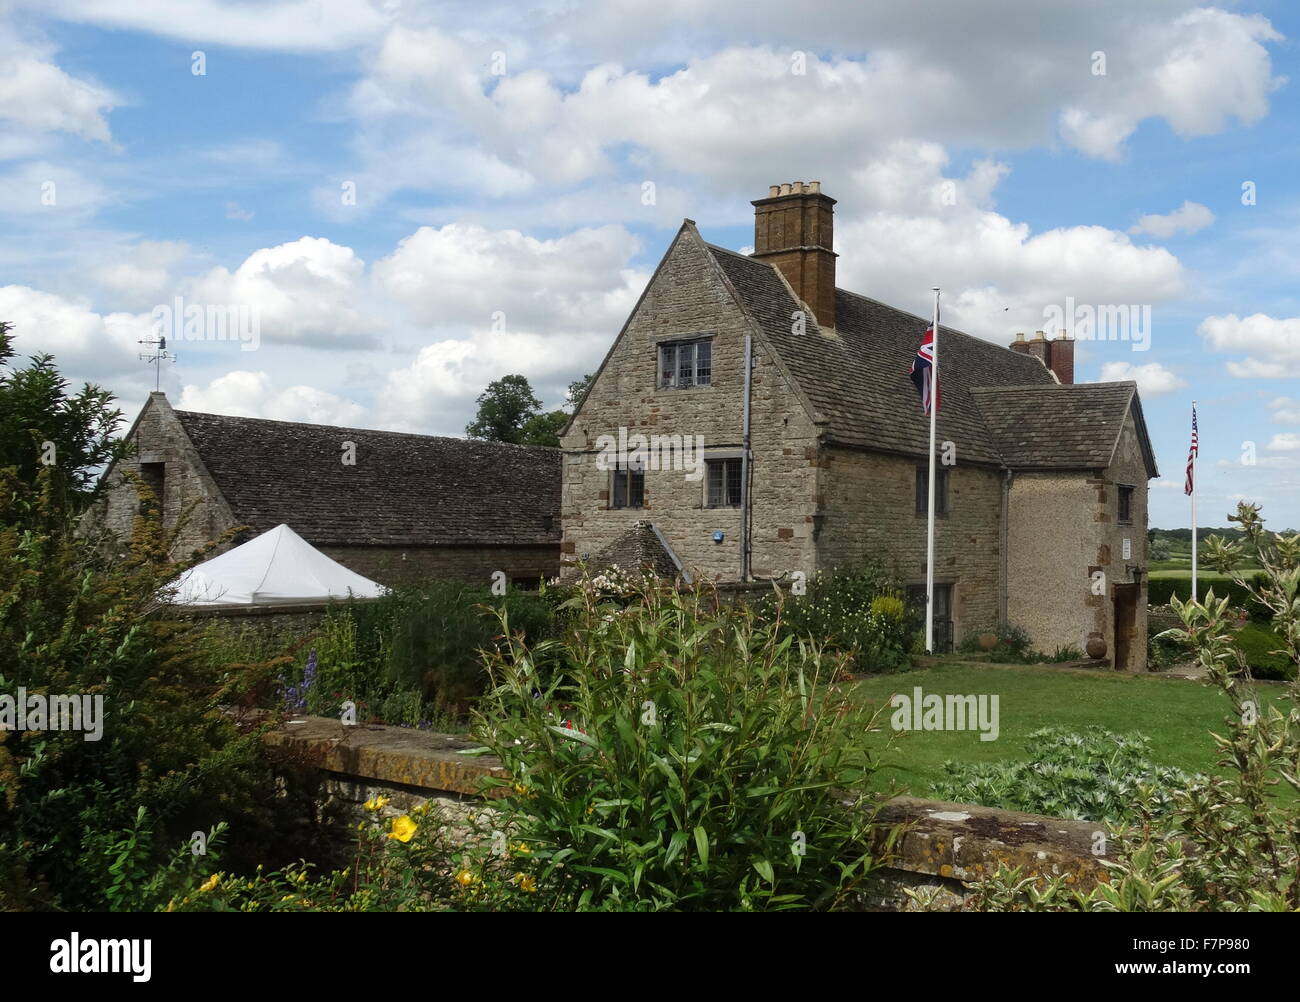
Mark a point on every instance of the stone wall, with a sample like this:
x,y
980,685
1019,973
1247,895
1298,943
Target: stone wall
x,y
398,565
938,852
1064,527
688,297
870,505
187,488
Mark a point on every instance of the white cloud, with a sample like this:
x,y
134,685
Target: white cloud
x,y
252,394
1272,346
1287,441
1153,379
436,391
474,276
304,292
140,276
998,277
87,346
293,25
59,195
235,211
36,95
1188,218
1285,410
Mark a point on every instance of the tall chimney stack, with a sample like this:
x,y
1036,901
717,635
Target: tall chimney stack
x,y
794,229
1061,358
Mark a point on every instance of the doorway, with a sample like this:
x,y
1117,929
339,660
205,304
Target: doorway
x,y
1126,596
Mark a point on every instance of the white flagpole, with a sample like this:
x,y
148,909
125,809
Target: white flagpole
x,y
1195,457
929,544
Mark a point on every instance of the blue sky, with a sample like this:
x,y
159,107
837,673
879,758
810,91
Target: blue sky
x,y
500,156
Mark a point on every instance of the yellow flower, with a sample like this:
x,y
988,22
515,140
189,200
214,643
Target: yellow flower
x,y
526,883
522,847
211,883
590,809
404,829
376,803
465,878
520,788
422,810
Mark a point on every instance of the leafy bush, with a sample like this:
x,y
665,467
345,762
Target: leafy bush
x,y
1013,643
1264,651
1093,775
81,821
682,757
856,609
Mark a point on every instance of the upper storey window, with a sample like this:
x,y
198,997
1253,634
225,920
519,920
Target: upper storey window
x,y
683,364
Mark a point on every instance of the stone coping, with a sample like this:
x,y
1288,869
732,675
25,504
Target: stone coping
x,y
403,756
959,842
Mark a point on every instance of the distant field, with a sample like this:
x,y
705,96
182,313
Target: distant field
x,y
1202,576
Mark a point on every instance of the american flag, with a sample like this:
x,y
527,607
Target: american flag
x,y
1191,455
923,370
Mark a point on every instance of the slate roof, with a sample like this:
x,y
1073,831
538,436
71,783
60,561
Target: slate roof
x,y
639,548
404,489
856,377
1060,427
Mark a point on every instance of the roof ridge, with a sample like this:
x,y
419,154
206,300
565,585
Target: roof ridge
x,y
368,431
1130,383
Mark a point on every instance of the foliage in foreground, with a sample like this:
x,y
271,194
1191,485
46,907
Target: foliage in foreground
x,y
1227,842
1093,775
674,753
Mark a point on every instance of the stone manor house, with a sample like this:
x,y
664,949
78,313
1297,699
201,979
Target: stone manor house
x,y
813,457
1042,510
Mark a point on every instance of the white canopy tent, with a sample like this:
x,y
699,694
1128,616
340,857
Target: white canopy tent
x,y
275,568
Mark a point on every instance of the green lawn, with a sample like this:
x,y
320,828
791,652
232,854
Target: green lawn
x,y
1176,714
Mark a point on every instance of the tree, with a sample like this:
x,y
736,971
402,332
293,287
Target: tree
x,y
508,411
504,408
44,430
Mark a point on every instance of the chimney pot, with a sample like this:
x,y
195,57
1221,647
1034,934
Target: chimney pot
x,y
1039,336
773,190
815,187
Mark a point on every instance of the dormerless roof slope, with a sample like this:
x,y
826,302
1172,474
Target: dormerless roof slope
x,y
405,490
856,381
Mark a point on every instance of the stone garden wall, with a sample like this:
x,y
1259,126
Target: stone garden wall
x,y
939,851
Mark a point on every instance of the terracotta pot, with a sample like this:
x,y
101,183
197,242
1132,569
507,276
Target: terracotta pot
x,y
988,641
1096,646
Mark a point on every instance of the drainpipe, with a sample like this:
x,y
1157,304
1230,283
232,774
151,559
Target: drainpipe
x,y
1006,522
744,465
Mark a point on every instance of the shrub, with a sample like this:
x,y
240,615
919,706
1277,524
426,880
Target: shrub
x,y
855,609
1092,775
409,658
81,821
1013,642
1161,591
1264,651
685,756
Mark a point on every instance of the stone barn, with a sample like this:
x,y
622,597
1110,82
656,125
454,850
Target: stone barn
x,y
391,506
817,455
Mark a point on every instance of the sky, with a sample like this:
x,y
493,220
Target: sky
x,y
413,199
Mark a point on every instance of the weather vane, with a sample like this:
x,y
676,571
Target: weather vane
x,y
157,357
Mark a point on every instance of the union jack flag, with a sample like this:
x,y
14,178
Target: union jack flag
x,y
923,372
1191,456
